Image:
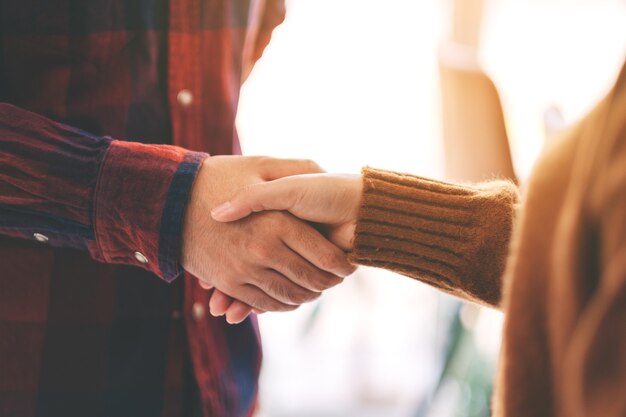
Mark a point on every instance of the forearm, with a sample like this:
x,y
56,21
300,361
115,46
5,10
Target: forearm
x,y
110,198
452,237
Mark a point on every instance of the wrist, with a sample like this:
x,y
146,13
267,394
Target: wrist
x,y
196,217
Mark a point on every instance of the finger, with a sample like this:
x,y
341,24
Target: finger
x,y
282,288
219,303
343,236
315,248
299,270
259,300
273,168
274,195
205,285
237,312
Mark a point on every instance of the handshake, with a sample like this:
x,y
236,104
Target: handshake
x,y
268,234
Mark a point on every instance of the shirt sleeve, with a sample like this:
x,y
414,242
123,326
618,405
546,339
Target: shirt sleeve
x,y
122,202
450,236
273,15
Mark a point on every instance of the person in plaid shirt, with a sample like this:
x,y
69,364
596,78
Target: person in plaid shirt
x,y
108,112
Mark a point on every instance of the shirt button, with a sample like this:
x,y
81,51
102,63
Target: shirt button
x,y
141,257
185,98
41,238
197,310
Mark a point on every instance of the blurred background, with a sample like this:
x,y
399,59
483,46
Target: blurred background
x,y
458,89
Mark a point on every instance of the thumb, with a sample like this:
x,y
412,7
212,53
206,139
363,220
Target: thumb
x,y
274,168
274,195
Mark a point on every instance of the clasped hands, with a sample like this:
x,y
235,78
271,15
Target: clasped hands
x,y
268,234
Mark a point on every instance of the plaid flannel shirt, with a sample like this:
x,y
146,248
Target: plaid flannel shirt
x,y
93,319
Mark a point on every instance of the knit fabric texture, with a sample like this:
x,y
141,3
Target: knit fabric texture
x,y
435,231
555,264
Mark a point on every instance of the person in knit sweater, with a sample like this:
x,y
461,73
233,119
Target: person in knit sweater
x,y
553,261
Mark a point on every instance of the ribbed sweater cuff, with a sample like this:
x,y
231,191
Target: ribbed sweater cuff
x,y
450,236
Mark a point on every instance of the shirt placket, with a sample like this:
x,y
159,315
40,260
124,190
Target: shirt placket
x,y
184,73
184,100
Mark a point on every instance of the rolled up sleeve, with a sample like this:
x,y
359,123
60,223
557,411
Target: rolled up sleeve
x,y
139,204
123,202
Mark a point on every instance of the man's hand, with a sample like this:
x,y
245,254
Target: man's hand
x,y
322,198
270,261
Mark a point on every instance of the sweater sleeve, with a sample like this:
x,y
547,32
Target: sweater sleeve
x,y
453,237
122,202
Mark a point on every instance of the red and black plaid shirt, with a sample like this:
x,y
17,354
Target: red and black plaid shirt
x,y
87,327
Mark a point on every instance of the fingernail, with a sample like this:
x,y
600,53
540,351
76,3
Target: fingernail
x,y
222,208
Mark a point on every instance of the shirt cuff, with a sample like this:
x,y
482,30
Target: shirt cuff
x,y
139,204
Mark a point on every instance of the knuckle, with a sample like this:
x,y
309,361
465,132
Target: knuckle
x,y
230,286
302,296
314,280
328,280
267,163
258,300
312,165
271,304
258,249
271,221
318,282
299,272
331,260
241,271
308,296
332,280
278,306
324,282
302,233
289,293
274,220
260,303
259,159
275,288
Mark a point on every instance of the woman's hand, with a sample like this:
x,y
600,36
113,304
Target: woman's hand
x,y
330,199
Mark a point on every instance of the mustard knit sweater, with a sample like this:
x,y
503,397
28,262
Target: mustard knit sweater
x,y
555,264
